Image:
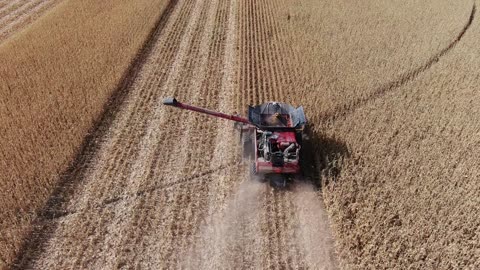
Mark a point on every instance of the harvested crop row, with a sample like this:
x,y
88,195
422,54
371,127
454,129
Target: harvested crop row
x,y
118,171
17,14
52,94
154,194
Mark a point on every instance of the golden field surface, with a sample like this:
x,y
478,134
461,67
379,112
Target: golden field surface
x,y
389,90
406,195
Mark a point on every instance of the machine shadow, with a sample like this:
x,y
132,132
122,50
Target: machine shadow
x,y
322,158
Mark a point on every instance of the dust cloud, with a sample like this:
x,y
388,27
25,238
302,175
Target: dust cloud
x,y
315,236
232,234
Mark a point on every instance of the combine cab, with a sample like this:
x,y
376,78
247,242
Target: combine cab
x,y
271,137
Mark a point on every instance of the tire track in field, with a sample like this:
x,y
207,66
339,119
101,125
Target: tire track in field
x,y
158,187
229,230
179,217
189,157
153,136
144,134
351,107
145,97
17,15
201,157
229,238
132,122
313,232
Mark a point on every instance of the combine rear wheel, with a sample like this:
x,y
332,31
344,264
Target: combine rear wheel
x,y
253,171
278,181
255,176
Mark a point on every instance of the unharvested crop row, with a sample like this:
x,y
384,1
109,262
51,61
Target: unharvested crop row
x,y
403,195
348,53
418,170
52,94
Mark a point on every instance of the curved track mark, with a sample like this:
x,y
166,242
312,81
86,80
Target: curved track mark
x,y
409,76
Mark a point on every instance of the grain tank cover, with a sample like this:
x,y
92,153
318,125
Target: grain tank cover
x,y
276,115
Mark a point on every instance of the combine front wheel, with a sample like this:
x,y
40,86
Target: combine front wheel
x,y
246,139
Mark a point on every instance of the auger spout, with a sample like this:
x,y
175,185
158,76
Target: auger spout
x,y
173,102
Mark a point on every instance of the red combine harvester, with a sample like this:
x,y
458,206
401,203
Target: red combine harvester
x,y
271,136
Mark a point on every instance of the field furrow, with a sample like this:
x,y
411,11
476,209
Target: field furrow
x,y
153,137
132,123
18,14
11,7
